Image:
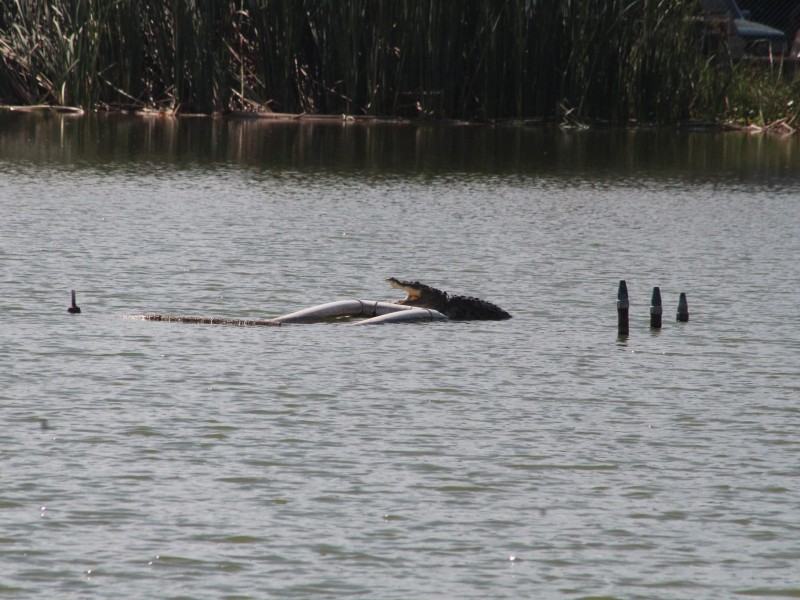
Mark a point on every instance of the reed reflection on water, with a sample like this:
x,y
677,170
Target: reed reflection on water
x,y
536,457
386,148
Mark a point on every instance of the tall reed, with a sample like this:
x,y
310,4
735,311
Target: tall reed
x,y
615,60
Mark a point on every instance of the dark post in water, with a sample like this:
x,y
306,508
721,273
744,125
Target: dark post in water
x,y
683,309
622,308
74,309
655,309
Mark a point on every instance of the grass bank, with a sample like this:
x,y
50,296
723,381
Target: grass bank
x,y
613,61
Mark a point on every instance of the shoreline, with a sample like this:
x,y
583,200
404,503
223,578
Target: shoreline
x,y
782,126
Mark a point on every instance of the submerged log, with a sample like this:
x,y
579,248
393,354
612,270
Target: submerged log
x,y
205,320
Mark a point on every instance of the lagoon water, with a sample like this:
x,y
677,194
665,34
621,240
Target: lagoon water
x,y
541,457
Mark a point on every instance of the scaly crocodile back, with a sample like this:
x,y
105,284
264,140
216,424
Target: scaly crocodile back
x,y
467,307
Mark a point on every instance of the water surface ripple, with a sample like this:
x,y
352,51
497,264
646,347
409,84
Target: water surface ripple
x,y
537,457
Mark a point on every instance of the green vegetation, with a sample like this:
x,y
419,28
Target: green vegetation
x,y
583,60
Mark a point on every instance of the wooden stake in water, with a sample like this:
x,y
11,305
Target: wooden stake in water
x,y
683,309
656,309
622,308
74,309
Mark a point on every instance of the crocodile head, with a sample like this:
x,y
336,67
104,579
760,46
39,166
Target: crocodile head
x,y
455,307
419,294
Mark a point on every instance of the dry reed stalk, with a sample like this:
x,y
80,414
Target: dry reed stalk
x,y
616,61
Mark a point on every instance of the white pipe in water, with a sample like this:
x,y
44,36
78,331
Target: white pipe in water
x,y
416,314
343,308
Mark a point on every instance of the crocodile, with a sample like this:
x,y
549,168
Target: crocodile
x,y
455,307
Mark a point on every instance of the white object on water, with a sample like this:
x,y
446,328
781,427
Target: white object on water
x,y
415,314
353,308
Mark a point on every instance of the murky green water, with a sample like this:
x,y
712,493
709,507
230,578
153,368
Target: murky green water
x,y
537,457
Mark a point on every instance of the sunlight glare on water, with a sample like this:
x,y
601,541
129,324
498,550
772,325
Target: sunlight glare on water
x,y
537,457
